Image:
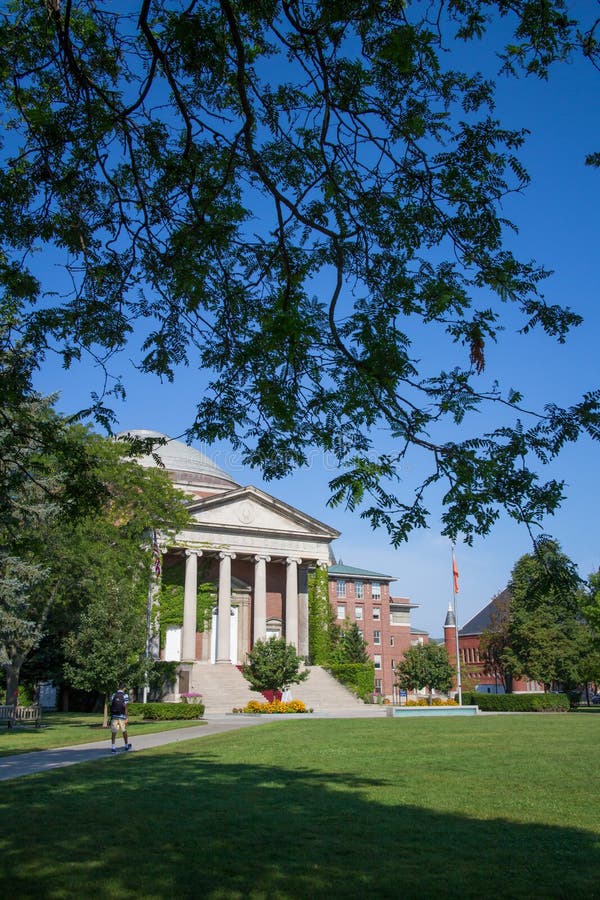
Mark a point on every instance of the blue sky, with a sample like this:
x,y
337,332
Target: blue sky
x,y
558,226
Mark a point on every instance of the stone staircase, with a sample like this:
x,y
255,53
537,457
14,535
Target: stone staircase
x,y
223,687
322,693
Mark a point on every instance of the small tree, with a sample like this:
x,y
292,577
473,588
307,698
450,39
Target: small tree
x,y
426,665
272,665
351,646
106,649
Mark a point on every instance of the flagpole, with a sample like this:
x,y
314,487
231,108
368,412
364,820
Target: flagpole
x,y
455,609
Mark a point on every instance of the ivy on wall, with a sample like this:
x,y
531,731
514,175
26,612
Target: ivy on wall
x,y
171,595
321,620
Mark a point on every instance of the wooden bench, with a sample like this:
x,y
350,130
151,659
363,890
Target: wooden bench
x,y
14,715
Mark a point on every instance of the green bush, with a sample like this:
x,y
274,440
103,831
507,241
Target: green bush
x,y
166,711
358,677
517,702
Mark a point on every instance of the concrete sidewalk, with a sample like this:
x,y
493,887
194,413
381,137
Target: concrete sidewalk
x,y
44,760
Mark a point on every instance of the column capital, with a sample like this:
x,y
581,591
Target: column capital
x,y
226,553
259,556
189,552
322,563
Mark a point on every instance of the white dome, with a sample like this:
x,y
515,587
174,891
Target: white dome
x,y
178,457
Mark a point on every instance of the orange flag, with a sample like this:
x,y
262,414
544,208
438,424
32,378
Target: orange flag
x,y
455,574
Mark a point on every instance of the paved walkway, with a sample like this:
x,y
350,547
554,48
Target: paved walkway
x,y
44,760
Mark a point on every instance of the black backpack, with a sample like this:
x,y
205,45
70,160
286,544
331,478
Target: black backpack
x,y
117,704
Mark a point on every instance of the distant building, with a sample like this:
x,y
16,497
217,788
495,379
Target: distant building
x,y
362,596
473,676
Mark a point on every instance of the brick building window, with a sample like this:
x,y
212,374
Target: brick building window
x,y
341,611
376,590
359,590
377,661
341,587
377,613
358,613
376,637
392,641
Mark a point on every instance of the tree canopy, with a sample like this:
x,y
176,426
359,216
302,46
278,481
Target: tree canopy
x,y
425,666
68,566
548,641
273,665
350,646
285,194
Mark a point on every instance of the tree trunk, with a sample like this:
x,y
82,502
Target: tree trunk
x,y
13,670
430,697
105,712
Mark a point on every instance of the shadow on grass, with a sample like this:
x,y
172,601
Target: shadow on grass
x,y
187,825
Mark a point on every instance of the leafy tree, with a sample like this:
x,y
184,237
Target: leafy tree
x,y
495,641
351,646
590,603
425,666
285,194
273,665
20,625
101,554
107,647
547,639
45,460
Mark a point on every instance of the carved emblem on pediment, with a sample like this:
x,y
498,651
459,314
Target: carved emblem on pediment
x,y
246,513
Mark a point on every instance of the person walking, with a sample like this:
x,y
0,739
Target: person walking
x,y
119,717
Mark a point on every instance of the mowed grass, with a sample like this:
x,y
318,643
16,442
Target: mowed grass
x,y
498,806
67,729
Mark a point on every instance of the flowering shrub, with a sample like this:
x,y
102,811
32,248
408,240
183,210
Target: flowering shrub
x,y
435,702
273,706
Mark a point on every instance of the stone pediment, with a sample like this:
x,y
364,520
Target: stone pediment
x,y
251,509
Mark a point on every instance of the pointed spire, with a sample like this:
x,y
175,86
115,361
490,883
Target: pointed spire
x,y
450,620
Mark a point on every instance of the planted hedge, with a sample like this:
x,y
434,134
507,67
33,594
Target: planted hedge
x,y
358,677
167,711
517,702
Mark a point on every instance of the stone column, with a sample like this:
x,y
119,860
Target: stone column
x,y
260,597
303,611
291,600
190,599
224,615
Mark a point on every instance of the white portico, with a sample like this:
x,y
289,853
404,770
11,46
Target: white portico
x,y
254,549
271,546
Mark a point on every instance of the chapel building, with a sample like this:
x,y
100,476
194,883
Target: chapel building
x,y
252,553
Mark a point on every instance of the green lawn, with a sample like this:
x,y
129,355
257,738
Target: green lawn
x,y
498,806
66,729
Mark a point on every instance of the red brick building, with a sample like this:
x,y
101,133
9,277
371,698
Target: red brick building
x,y
362,596
473,676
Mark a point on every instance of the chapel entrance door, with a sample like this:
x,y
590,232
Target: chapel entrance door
x,y
173,643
